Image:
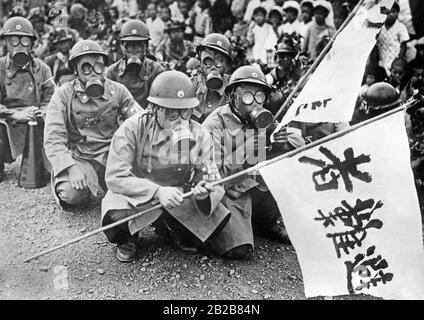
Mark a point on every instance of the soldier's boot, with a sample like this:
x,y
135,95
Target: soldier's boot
x,y
278,232
127,252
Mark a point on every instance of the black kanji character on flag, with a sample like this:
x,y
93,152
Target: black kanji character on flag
x,y
369,270
338,168
357,218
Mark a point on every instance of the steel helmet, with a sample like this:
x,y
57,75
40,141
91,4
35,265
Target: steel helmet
x,y
134,30
216,41
18,26
284,47
175,26
173,89
248,74
382,95
85,47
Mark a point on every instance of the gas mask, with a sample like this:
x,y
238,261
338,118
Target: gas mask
x,y
181,138
20,54
214,79
256,116
94,88
133,51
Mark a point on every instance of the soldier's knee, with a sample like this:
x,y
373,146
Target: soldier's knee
x,y
67,194
238,253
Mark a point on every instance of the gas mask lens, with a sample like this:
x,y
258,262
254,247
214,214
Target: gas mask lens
x,y
218,61
174,114
87,68
248,97
15,41
135,46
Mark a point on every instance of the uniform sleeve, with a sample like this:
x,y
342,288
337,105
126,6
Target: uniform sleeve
x,y
56,135
127,105
47,87
120,177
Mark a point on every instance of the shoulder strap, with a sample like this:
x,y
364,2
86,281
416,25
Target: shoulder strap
x,y
3,78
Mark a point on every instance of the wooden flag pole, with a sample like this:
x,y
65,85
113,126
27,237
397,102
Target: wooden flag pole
x,y
318,60
413,101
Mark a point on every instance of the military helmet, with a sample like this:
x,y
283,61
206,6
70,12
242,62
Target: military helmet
x,y
61,35
173,89
18,26
248,74
85,47
284,47
134,30
36,14
175,26
216,41
382,95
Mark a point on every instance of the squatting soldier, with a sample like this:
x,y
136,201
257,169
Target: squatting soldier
x,y
215,62
26,87
135,70
154,158
63,40
81,119
239,129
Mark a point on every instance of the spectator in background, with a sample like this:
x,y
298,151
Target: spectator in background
x,y
292,24
202,20
317,28
238,6
398,74
156,25
261,36
126,8
391,41
253,4
275,18
222,20
306,15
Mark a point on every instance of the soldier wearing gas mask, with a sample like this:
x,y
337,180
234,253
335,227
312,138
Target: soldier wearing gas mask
x,y
239,130
215,62
135,70
81,119
154,158
26,87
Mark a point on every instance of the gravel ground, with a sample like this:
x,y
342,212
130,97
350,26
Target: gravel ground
x,y
32,222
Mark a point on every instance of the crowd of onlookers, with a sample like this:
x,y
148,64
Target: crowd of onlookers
x,y
255,29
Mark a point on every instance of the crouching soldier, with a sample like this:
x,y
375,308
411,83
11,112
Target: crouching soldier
x,y
81,119
156,157
239,133
26,87
135,70
215,62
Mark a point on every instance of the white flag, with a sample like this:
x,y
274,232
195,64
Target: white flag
x,y
331,92
351,210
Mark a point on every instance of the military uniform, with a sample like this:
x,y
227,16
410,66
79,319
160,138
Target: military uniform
x,y
246,195
209,100
138,84
79,130
136,169
21,88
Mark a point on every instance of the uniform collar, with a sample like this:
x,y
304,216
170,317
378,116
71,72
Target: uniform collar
x,y
12,69
80,91
122,66
202,88
232,122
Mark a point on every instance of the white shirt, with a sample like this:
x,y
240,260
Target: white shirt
x,y
253,4
264,38
156,30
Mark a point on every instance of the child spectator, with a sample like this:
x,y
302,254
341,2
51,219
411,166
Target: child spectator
x,y
391,41
318,28
397,74
261,36
306,15
253,4
292,24
156,25
275,18
202,20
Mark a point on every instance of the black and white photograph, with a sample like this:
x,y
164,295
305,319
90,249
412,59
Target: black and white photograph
x,y
229,152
